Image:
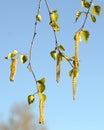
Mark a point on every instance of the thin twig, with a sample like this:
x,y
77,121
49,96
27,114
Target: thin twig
x,y
32,43
48,7
86,17
56,40
55,36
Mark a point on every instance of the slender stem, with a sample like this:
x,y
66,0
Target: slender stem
x,y
71,64
56,41
47,7
55,36
86,17
32,43
35,30
39,6
33,73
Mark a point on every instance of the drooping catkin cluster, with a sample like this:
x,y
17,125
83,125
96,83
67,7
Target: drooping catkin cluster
x,y
59,59
13,69
76,64
41,108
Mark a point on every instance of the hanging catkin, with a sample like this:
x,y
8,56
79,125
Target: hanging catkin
x,y
13,68
59,59
41,108
74,88
76,64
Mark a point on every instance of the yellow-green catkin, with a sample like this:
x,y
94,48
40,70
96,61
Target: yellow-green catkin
x,y
76,65
59,59
13,69
41,109
74,88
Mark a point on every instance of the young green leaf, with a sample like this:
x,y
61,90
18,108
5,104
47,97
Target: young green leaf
x,y
71,73
96,10
55,26
42,97
61,48
41,85
53,54
93,18
78,13
54,11
38,18
41,81
23,58
12,54
85,4
79,38
85,35
41,88
73,57
53,21
54,17
31,99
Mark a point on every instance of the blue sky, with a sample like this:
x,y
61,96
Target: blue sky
x,y
61,112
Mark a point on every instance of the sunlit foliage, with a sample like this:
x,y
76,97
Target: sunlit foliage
x,y
89,10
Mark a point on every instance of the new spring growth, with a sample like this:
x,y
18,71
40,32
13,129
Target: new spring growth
x,y
38,17
41,107
13,69
58,66
76,64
